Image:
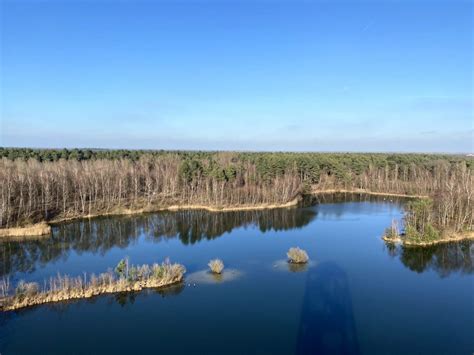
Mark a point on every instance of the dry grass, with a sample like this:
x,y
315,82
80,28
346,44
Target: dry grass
x,y
297,256
64,287
34,230
216,266
447,238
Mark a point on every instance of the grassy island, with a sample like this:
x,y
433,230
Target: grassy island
x,y
124,278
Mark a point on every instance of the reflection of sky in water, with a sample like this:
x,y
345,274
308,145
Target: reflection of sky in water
x,y
284,265
206,277
97,244
354,291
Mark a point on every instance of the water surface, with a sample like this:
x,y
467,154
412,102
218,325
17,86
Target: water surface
x,y
356,296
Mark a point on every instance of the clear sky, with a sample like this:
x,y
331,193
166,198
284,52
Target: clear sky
x,y
248,75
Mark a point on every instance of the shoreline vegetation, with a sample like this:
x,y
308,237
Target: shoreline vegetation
x,y
52,186
38,229
446,217
44,228
125,278
366,192
448,238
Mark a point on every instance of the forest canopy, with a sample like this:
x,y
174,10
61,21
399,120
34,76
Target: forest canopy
x,y
54,184
271,162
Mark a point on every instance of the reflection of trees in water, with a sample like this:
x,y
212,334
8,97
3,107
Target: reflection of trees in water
x,y
99,235
124,298
337,203
193,226
442,258
344,197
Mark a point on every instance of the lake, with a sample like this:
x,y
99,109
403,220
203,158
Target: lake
x,y
356,296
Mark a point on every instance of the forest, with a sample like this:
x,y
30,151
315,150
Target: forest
x,y
50,185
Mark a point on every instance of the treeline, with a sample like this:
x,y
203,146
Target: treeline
x,y
449,209
42,155
310,162
35,189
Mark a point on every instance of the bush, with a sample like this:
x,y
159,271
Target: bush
x,y
411,233
122,268
431,232
216,266
297,256
157,271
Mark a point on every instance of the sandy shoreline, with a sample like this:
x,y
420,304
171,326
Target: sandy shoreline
x,y
39,229
366,192
61,296
44,228
458,237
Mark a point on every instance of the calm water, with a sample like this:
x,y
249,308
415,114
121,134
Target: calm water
x,y
356,296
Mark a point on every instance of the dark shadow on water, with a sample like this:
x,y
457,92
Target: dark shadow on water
x,y
327,321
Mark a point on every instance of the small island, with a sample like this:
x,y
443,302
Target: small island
x,y
125,278
429,221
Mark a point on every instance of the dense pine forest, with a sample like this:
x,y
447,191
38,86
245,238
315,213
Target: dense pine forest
x,y
47,184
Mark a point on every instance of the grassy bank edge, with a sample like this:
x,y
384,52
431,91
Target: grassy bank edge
x,y
365,192
84,295
38,229
454,237
44,228
174,273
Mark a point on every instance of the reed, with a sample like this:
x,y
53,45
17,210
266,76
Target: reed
x,y
64,287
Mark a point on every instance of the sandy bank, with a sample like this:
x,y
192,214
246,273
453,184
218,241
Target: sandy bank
x,y
66,296
454,237
71,288
44,228
315,191
39,229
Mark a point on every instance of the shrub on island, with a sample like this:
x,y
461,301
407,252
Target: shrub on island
x,y
216,266
297,256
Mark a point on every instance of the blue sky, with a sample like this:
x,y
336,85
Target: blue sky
x,y
246,75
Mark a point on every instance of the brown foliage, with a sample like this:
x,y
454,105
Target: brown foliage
x,y
31,191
